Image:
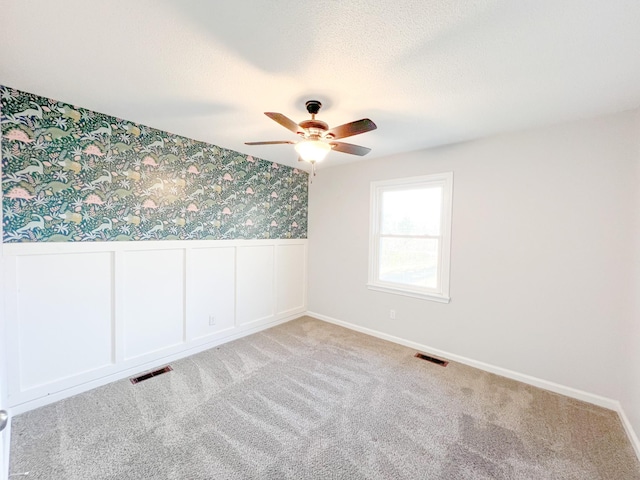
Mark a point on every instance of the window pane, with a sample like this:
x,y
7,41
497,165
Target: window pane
x,y
409,261
411,211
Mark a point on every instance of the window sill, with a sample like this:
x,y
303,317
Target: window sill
x,y
434,297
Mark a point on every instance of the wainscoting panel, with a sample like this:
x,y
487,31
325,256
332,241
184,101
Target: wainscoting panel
x,y
290,278
210,291
255,284
64,316
153,304
83,314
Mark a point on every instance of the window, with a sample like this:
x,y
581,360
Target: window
x,y
410,236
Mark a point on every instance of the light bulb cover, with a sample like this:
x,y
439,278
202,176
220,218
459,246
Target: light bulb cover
x,y
312,150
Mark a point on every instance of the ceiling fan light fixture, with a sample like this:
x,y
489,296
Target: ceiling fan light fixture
x,y
312,150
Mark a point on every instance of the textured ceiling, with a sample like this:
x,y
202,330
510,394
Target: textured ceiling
x,y
428,72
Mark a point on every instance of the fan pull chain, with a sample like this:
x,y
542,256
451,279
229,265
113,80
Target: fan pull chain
x,y
313,172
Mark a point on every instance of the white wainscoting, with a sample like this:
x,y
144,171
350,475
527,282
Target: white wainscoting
x,y
80,315
152,301
255,284
291,281
211,288
64,306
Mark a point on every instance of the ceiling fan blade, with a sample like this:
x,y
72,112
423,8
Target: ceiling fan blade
x,y
349,148
286,122
276,142
353,128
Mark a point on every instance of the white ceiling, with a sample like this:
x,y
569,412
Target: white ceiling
x,y
428,72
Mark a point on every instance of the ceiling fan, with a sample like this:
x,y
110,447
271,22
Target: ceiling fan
x,y
317,138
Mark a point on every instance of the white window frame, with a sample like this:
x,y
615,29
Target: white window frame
x,y
441,292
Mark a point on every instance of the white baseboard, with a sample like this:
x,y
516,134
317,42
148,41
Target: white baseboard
x,y
631,433
605,402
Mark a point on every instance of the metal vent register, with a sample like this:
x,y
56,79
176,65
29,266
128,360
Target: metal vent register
x,y
147,376
437,361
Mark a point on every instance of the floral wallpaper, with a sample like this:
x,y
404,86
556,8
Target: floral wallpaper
x,y
71,174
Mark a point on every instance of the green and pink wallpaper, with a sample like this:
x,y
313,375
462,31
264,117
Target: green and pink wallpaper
x,y
70,174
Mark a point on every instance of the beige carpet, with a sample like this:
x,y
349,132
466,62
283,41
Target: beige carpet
x,y
310,400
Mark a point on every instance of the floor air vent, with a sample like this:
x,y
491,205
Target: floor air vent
x,y
437,361
147,376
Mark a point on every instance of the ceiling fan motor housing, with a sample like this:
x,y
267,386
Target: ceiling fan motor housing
x,y
314,128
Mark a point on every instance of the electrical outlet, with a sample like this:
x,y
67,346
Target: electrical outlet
x,y
212,320
392,314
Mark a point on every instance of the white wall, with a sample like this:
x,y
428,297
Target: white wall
x,y
631,341
541,276
80,315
